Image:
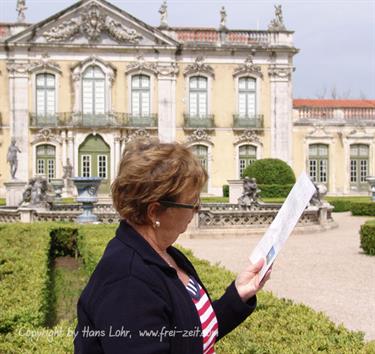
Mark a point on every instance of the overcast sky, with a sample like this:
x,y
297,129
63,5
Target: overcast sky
x,y
336,38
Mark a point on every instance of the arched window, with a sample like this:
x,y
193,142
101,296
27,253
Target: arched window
x,y
359,166
318,163
45,97
247,155
141,96
198,92
201,152
46,161
247,97
93,95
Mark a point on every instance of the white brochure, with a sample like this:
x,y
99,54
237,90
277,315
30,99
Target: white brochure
x,y
283,224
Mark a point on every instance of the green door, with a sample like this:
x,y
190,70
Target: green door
x,y
94,161
46,161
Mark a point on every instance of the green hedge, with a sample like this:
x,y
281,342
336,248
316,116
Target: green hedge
x,y
24,279
363,209
367,235
277,326
270,171
274,190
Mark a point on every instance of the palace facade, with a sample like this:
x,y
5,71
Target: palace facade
x,y
76,87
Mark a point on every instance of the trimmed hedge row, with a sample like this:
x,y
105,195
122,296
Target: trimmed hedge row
x,y
363,209
277,326
367,235
274,190
24,280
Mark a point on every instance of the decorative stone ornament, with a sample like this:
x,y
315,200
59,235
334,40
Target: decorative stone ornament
x,y
199,67
92,25
277,24
169,69
248,136
281,72
140,66
45,64
46,134
248,68
138,134
163,11
199,135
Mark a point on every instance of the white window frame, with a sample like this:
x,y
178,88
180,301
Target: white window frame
x,y
209,91
140,90
258,93
106,165
82,165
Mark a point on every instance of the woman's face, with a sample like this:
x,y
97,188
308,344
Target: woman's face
x,y
174,221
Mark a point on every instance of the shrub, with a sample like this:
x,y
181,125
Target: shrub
x,y
274,190
270,171
24,263
367,235
363,209
225,190
64,240
341,205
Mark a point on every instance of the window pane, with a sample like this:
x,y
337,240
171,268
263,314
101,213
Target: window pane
x,y
51,169
323,150
193,82
363,171
251,104
313,170
86,166
40,80
40,167
353,171
242,104
99,96
323,171
135,103
50,80
135,81
87,88
202,104
193,104
251,83
202,83
313,150
98,73
242,83
89,72
363,150
50,106
102,166
145,81
145,103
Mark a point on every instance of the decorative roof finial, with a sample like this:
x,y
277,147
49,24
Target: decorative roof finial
x,y
21,8
277,23
163,11
223,19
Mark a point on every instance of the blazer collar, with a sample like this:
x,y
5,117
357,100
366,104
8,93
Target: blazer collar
x,y
126,234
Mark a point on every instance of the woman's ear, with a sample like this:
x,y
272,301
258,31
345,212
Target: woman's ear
x,y
153,212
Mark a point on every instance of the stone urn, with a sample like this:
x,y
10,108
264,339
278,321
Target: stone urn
x,y
58,185
87,189
371,182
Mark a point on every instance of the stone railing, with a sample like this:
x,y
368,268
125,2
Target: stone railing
x,y
336,114
203,121
246,122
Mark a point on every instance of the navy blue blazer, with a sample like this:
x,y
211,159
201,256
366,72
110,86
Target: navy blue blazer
x,y
135,303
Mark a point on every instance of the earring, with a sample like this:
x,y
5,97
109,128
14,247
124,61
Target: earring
x,y
157,224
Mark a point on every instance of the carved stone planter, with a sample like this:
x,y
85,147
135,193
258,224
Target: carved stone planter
x,y
371,182
87,188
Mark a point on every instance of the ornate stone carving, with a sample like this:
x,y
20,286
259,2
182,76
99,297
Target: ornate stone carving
x,y
277,24
319,131
46,134
248,68
169,69
141,65
66,31
199,135
163,11
17,67
138,134
248,136
283,72
121,34
199,67
44,64
92,24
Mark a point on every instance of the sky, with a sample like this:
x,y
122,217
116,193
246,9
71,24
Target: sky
x,y
336,38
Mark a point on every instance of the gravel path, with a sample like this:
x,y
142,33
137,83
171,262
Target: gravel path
x,y
326,271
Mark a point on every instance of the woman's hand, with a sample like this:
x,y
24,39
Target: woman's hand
x,y
247,282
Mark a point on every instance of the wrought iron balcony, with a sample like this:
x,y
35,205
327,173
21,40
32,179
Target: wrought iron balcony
x,y
202,121
130,120
54,120
241,121
89,120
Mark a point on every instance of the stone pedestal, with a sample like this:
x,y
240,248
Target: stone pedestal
x,y
26,215
14,191
235,190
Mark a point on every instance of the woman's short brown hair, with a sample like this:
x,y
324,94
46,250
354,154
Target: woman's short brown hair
x,y
150,171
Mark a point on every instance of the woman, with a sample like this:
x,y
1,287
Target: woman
x,y
144,295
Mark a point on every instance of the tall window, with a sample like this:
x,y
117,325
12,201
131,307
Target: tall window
x,y
359,166
201,152
93,83
45,95
198,96
318,163
46,161
141,95
247,155
246,97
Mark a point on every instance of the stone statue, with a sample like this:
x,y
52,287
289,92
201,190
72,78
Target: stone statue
x,y
223,18
21,8
12,157
163,11
37,193
277,24
250,193
317,198
68,169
